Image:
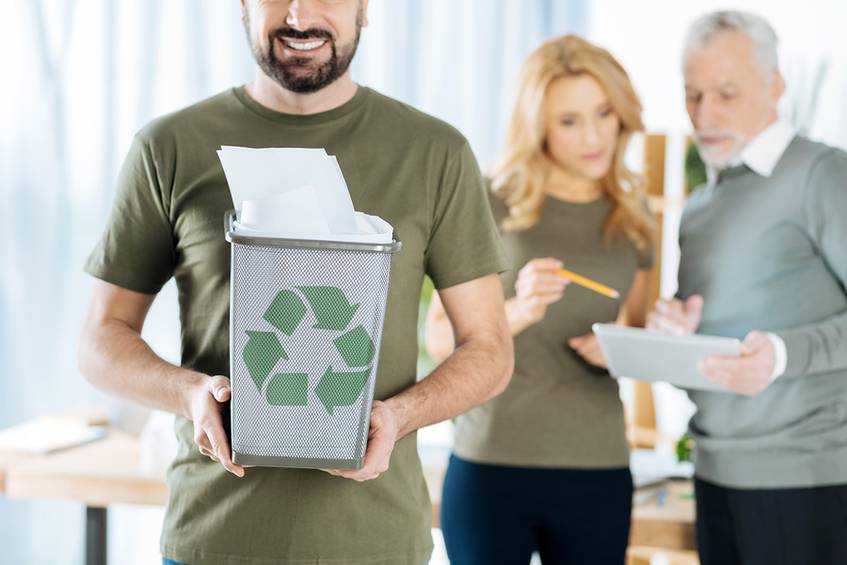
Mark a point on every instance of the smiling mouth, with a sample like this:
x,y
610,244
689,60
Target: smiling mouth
x,y
304,45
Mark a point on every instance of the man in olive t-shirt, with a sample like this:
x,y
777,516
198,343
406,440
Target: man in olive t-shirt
x,y
414,171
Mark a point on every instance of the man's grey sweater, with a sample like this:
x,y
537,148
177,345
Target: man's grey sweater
x,y
770,254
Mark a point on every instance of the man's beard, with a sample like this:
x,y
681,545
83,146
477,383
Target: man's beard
x,y
289,74
718,161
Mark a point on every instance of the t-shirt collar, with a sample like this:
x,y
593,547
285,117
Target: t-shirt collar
x,y
362,94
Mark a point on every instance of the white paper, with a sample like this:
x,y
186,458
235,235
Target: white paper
x,y
296,213
297,193
47,434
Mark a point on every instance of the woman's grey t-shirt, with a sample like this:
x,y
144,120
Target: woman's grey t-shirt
x,y
558,410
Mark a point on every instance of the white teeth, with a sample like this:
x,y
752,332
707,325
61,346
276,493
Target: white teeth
x,y
307,45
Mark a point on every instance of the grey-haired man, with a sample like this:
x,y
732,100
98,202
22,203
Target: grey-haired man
x,y
764,259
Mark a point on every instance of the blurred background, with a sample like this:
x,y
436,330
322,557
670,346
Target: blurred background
x,y
83,76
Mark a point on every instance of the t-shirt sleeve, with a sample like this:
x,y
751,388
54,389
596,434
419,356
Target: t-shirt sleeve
x,y
136,250
499,210
464,242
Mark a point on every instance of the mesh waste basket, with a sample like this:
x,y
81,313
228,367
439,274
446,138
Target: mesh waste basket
x,y
306,321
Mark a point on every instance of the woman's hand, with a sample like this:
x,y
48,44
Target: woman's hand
x,y
588,348
537,287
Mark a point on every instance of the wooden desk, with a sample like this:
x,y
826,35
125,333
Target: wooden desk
x,y
98,474
665,520
7,460
104,472
640,555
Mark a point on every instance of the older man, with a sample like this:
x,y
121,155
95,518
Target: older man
x,y
764,259
409,168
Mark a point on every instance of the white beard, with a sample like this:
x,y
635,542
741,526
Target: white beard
x,y
722,160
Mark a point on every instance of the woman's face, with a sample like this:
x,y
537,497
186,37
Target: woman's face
x,y
581,127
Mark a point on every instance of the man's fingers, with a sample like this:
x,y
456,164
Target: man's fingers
x,y
203,444
726,364
220,447
671,307
725,368
666,325
202,440
694,305
376,460
375,423
684,316
220,387
753,342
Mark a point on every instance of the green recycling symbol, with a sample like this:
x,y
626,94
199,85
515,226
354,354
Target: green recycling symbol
x,y
332,313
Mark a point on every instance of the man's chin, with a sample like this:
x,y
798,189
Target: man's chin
x,y
717,159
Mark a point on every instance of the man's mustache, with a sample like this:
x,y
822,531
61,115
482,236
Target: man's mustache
x,y
706,133
311,33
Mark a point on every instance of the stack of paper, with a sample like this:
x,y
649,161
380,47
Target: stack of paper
x,y
295,193
47,434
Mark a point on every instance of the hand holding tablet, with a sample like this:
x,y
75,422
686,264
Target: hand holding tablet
x,y
652,356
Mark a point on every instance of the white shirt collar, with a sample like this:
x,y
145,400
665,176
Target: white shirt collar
x,y
762,153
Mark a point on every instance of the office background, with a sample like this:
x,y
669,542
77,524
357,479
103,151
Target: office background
x,y
82,76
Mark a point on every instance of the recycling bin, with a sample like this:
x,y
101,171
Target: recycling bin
x,y
306,320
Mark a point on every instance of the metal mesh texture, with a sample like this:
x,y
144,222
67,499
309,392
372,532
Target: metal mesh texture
x,y
308,434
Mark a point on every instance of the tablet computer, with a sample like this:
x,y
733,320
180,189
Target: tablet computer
x,y
652,356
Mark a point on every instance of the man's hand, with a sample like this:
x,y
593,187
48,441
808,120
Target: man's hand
x,y
750,373
675,316
588,348
381,438
205,407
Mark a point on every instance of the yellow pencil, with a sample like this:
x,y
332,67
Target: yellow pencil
x,y
589,284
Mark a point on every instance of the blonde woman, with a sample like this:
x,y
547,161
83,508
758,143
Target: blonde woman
x,y
544,466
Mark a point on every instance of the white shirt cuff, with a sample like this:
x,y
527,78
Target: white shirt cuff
x,y
781,355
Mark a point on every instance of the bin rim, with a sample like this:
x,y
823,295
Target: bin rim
x,y
233,237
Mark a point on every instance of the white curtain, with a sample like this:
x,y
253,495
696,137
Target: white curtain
x,y
80,79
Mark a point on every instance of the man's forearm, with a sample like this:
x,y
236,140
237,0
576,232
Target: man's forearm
x,y
474,372
114,358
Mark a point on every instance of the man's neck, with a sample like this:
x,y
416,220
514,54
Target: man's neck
x,y
270,94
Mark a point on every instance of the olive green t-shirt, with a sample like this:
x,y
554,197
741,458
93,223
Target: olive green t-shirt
x,y
414,171
558,411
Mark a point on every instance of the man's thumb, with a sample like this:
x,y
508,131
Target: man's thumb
x,y
694,305
220,388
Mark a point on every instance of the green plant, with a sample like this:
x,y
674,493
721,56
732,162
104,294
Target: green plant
x,y
695,169
684,447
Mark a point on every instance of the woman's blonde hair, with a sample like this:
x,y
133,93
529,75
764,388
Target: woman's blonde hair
x,y
520,176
